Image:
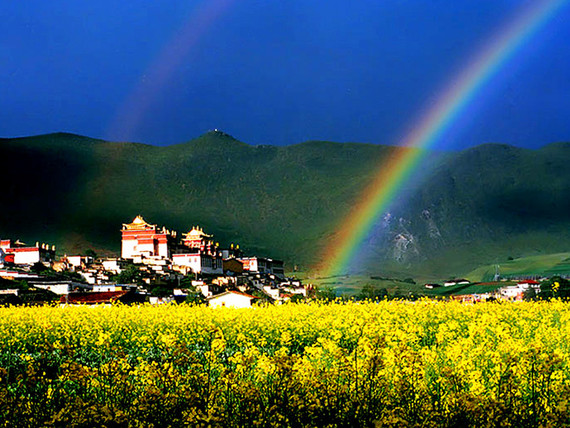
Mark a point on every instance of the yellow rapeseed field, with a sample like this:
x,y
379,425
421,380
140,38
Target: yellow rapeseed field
x,y
391,363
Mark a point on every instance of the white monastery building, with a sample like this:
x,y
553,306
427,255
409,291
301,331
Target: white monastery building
x,y
22,254
199,263
141,239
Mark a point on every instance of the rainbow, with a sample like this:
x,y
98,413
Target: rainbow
x,y
132,111
380,193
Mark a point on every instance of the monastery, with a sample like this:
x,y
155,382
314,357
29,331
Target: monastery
x,y
195,252
152,257
141,239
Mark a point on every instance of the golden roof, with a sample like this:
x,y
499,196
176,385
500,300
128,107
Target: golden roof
x,y
138,224
196,232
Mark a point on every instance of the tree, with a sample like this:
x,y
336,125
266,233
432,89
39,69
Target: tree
x,y
13,284
194,295
555,287
89,252
372,292
297,298
529,294
326,293
186,283
130,275
195,298
39,268
161,291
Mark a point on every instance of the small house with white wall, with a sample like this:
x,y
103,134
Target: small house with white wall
x,y
115,265
79,262
199,263
263,265
453,282
529,284
231,299
511,292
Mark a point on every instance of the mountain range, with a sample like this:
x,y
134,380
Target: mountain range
x,y
460,209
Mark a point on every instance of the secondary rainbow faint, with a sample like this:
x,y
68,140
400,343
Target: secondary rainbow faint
x,y
380,193
150,85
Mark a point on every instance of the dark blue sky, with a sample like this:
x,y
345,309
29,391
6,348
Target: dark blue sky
x,y
273,72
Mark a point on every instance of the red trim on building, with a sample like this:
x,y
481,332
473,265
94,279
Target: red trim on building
x,y
93,297
23,250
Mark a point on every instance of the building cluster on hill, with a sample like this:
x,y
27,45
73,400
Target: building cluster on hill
x,y
155,265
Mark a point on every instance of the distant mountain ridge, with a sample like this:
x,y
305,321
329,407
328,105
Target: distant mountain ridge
x,y
469,207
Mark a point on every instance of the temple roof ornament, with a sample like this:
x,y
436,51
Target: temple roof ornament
x,y
139,224
196,233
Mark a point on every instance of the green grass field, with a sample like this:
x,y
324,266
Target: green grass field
x,y
398,284
542,265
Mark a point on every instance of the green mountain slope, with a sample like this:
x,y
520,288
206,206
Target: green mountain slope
x,y
488,203
466,208
534,266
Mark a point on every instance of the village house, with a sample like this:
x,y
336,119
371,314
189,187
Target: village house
x,y
272,291
102,297
78,262
225,281
473,297
255,264
232,299
203,288
517,291
14,291
95,275
115,265
294,287
60,287
155,300
113,287
263,265
529,284
512,292
232,266
453,282
13,274
199,263
431,285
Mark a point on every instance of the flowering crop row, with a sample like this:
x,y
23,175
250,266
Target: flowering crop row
x,y
341,364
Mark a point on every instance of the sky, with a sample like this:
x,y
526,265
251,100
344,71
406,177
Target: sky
x,y
274,72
